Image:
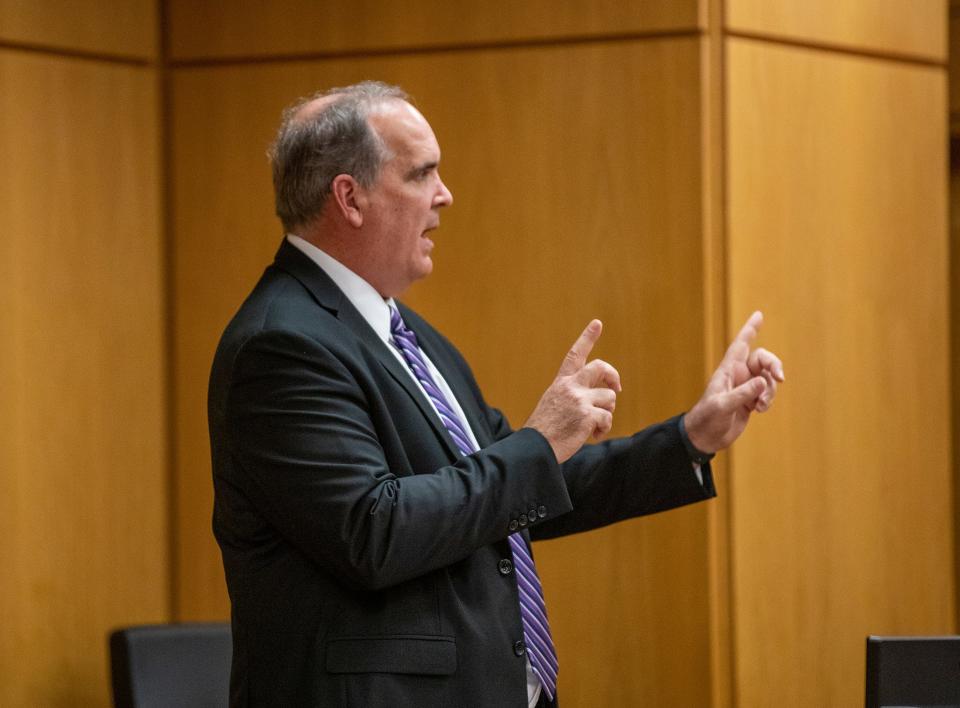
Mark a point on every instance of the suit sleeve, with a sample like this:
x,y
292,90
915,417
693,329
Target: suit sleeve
x,y
618,479
309,457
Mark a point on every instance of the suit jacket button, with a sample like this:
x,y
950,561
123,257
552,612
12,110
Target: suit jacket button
x,y
514,524
519,648
532,515
505,566
542,511
523,519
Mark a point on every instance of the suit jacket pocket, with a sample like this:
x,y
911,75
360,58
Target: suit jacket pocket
x,y
395,654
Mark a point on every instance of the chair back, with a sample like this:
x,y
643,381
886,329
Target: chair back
x,y
186,665
913,671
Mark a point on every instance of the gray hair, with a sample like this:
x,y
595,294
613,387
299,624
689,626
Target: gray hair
x,y
309,151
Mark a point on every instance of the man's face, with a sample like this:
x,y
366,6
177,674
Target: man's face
x,y
404,202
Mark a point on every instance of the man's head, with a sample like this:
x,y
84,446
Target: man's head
x,y
320,137
357,168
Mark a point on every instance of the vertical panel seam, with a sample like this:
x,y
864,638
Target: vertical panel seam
x,y
716,280
166,231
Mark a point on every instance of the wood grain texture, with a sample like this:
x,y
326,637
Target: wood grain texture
x,y
953,71
842,501
576,176
125,27
83,488
897,26
284,27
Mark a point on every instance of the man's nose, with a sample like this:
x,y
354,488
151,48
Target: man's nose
x,y
444,196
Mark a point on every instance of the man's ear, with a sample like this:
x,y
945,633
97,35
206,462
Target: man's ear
x,y
349,197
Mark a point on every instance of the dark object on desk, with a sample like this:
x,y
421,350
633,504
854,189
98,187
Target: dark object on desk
x,y
185,665
922,672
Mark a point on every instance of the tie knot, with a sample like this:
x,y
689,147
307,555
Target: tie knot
x,y
402,335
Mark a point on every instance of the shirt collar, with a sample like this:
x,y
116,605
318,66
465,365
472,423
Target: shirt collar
x,y
363,296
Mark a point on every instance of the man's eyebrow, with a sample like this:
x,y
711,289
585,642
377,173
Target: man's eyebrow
x,y
422,168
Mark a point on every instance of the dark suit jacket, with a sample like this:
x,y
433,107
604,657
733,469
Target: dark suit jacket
x,y
362,553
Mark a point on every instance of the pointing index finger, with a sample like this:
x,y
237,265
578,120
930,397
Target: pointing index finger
x,y
576,358
739,348
749,329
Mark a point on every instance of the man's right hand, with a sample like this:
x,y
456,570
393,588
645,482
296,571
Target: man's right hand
x,y
580,401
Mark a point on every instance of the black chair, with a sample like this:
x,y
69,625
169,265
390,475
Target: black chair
x,y
913,671
158,666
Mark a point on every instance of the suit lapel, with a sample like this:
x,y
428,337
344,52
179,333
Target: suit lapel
x,y
292,260
355,321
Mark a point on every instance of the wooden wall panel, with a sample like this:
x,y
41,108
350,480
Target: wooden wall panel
x,y
125,27
284,27
842,500
897,26
576,175
954,208
83,490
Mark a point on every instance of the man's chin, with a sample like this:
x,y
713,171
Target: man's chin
x,y
424,269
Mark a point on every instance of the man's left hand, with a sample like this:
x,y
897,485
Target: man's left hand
x,y
746,381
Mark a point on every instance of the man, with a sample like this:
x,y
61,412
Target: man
x,y
374,513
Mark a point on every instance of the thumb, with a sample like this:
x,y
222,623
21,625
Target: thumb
x,y
576,358
745,395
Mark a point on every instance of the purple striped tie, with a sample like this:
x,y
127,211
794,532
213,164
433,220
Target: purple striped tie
x,y
533,610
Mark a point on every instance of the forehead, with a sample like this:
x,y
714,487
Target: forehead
x,y
405,131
